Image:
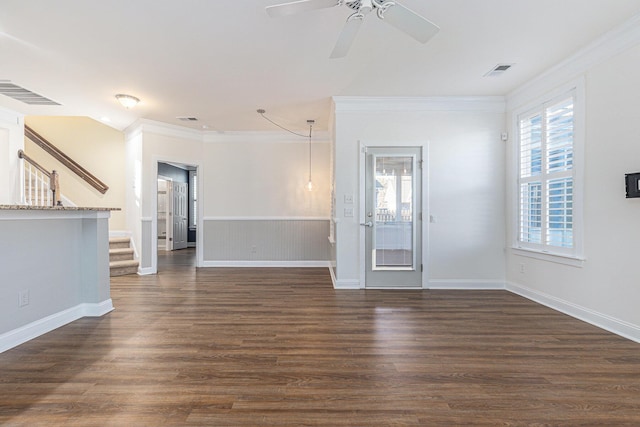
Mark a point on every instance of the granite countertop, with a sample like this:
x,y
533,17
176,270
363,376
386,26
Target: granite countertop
x,y
52,208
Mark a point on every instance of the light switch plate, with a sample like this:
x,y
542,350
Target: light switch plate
x,y
348,199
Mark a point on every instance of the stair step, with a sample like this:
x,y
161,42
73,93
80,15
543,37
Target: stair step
x,y
119,242
120,254
122,268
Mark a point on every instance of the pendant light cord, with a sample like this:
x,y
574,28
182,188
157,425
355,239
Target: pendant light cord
x,y
261,112
310,122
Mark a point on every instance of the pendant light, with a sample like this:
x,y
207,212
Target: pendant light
x,y
261,111
309,185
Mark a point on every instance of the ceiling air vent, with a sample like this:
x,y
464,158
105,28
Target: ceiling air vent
x,y
498,70
23,95
187,119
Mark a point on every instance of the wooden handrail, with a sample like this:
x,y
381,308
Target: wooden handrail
x,y
57,154
35,164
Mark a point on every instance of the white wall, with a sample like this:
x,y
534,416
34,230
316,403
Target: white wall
x,y
465,184
246,176
264,175
605,290
133,186
11,140
148,143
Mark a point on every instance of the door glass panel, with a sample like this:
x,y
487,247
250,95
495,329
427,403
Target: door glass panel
x,y
393,226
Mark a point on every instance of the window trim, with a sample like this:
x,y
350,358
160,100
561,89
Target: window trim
x,y
572,256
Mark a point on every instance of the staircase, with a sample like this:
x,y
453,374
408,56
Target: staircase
x,y
121,258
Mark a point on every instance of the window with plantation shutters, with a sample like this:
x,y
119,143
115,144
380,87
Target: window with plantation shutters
x,y
546,177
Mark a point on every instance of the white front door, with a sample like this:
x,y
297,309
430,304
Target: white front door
x,y
392,220
180,215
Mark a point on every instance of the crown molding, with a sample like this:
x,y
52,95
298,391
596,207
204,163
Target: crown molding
x,y
353,104
601,49
142,126
263,136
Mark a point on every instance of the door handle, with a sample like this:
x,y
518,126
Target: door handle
x,y
367,224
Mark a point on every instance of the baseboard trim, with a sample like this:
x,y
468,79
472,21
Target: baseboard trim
x,y
253,264
25,333
466,284
146,271
346,284
603,321
97,309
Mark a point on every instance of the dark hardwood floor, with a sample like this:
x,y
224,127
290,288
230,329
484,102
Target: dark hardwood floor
x,y
251,347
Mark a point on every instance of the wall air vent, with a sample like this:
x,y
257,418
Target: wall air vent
x,y
23,95
187,119
498,70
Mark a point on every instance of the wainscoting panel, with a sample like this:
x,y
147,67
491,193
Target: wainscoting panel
x,y
147,240
264,240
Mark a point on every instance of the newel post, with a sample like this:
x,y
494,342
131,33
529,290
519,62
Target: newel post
x,y
54,185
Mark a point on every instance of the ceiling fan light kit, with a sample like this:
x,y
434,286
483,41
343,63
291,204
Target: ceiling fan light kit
x,y
392,12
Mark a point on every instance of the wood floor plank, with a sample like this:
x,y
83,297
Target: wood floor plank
x,y
281,347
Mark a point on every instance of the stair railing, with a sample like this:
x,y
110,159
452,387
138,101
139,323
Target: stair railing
x,y
41,187
60,156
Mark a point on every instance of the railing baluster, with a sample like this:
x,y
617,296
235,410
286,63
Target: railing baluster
x,y
26,179
37,189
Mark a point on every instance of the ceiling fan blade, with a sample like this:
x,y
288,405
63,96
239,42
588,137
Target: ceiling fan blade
x,y
294,7
347,36
410,22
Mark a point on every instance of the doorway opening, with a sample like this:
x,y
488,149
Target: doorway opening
x,y
176,214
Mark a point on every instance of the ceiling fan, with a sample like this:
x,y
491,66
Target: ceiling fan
x,y
392,12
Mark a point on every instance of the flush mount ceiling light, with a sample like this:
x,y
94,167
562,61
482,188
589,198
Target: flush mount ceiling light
x,y
127,101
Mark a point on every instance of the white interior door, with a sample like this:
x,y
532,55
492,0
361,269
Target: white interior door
x,y
180,215
163,215
392,217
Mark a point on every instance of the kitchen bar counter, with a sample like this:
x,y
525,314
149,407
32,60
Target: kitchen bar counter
x,y
52,208
54,268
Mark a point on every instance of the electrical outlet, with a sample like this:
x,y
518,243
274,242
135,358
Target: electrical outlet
x,y
23,298
254,249
522,269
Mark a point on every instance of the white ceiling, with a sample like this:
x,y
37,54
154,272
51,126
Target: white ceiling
x,y
220,60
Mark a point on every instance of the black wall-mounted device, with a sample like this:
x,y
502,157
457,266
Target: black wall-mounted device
x,y
633,185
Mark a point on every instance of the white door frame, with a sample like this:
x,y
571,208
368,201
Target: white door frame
x,y
424,205
154,210
168,244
